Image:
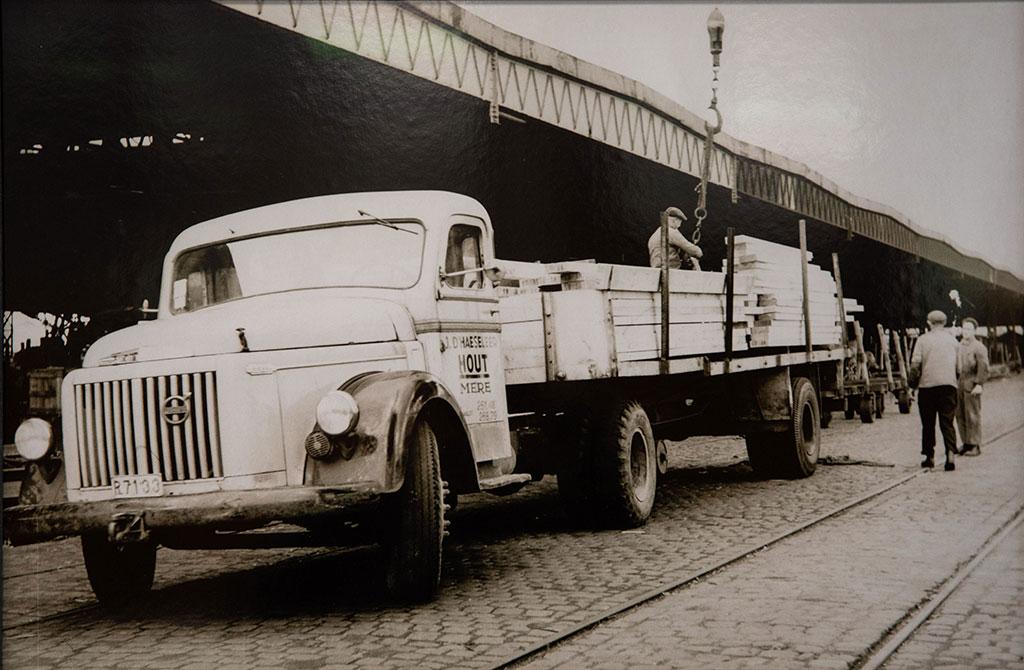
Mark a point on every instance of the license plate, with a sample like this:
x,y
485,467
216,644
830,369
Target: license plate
x,y
137,486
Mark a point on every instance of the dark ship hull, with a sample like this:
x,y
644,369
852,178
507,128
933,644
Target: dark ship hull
x,y
273,116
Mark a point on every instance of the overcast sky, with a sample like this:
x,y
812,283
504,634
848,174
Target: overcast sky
x,y
917,106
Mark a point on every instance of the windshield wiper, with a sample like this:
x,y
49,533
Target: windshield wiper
x,y
382,222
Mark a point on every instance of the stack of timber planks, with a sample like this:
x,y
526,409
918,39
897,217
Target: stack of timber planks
x,y
776,277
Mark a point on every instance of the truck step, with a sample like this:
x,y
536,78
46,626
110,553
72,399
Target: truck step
x,y
503,480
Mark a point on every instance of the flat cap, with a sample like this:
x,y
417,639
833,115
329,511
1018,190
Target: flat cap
x,y
936,316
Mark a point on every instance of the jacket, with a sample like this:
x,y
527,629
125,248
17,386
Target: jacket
x,y
935,356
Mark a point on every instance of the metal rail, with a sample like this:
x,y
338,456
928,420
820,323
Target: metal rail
x,y
896,640
690,578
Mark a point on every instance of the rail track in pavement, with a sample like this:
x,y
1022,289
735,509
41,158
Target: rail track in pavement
x,y
872,658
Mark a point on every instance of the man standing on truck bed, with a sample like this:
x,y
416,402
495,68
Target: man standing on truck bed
x,y
682,253
937,366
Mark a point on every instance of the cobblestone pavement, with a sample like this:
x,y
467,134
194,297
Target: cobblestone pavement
x,y
980,625
515,572
822,598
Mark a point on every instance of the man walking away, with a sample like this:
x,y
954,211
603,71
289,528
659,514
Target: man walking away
x,y
682,253
936,364
973,357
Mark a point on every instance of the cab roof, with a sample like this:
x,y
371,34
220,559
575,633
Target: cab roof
x,y
423,205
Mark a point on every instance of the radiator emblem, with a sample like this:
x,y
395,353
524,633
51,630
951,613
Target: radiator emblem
x,y
177,409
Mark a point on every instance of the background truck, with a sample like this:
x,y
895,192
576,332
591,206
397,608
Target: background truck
x,y
353,363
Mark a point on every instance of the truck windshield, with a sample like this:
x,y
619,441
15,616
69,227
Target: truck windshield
x,y
363,254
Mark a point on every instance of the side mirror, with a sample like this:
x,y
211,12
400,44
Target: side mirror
x,y
147,312
494,273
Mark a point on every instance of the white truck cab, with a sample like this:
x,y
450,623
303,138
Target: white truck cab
x,y
299,350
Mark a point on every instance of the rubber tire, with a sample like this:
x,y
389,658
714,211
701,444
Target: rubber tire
x,y
762,453
904,402
119,574
625,464
414,522
801,443
867,409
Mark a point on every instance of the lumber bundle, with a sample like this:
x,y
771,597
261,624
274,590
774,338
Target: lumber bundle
x,y
775,275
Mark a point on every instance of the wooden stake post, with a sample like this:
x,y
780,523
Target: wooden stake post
x,y
862,360
884,344
663,358
729,291
900,360
803,276
842,318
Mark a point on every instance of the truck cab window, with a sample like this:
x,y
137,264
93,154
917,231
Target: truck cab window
x,y
204,277
464,254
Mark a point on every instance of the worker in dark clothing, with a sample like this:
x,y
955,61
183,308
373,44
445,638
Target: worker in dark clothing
x,y
973,373
936,366
682,253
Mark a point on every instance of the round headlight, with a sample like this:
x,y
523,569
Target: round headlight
x,y
337,413
33,439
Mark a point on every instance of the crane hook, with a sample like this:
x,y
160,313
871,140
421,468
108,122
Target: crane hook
x,y
718,116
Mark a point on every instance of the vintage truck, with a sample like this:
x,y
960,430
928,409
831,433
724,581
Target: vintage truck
x,y
350,364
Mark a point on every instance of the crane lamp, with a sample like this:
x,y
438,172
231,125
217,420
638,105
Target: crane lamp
x,y
716,27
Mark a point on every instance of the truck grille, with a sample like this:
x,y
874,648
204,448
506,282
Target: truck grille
x,y
141,426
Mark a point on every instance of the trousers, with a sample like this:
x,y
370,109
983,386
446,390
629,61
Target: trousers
x,y
968,417
937,401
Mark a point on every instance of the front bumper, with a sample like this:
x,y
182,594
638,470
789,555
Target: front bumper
x,y
27,524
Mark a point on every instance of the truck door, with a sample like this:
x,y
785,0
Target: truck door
x,y
465,340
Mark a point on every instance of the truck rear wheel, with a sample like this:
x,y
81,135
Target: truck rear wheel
x,y
118,573
625,465
802,441
414,522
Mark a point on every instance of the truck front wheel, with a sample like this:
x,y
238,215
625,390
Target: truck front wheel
x,y
625,465
118,573
414,522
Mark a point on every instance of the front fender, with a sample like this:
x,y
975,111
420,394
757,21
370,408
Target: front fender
x,y
389,405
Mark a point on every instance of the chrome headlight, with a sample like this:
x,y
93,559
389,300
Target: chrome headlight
x,y
33,439
337,413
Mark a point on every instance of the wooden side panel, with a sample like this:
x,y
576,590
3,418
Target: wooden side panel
x,y
582,347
